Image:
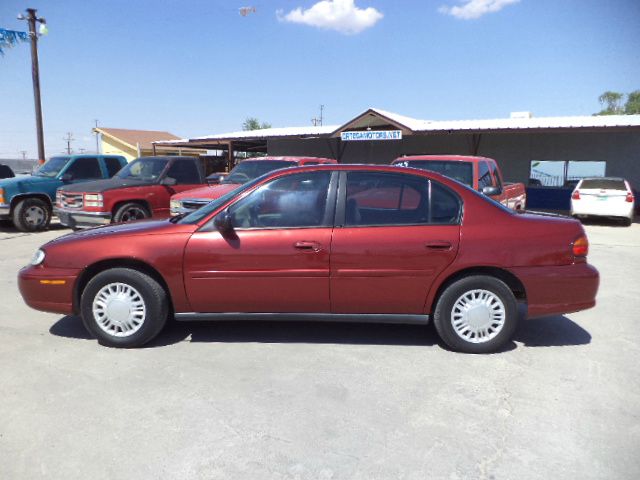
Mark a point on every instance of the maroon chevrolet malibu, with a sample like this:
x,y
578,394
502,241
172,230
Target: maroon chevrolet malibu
x,y
335,242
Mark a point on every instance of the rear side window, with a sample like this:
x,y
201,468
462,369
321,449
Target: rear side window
x,y
484,177
113,165
386,199
184,172
496,175
85,169
603,184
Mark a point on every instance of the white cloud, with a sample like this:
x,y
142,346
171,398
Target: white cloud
x,y
472,9
340,15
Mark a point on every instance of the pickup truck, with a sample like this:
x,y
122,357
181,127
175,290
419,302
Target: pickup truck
x,y
480,173
140,190
242,173
28,200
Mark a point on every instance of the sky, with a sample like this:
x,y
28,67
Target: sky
x,y
199,67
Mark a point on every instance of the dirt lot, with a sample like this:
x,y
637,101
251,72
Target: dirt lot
x,y
322,401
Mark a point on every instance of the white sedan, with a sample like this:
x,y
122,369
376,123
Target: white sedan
x,y
603,197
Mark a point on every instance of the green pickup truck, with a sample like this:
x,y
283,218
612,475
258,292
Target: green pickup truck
x,y
28,200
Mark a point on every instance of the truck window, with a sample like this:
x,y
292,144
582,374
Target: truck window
x,y
496,175
184,172
85,169
113,165
484,177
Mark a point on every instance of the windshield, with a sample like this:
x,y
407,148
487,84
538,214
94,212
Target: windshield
x,y
52,167
460,171
201,213
250,169
146,169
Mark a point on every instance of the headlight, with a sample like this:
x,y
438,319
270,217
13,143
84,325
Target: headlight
x,y
93,200
175,206
38,257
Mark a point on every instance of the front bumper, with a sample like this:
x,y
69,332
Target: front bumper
x,y
5,211
556,290
48,289
79,219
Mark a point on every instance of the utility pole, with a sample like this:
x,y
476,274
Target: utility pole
x,y
35,74
318,121
69,138
97,136
24,154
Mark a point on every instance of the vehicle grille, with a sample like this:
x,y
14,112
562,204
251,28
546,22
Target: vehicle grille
x,y
193,204
71,200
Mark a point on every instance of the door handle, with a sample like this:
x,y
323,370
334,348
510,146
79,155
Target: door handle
x,y
438,245
308,246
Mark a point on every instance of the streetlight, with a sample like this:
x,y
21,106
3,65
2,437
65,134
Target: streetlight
x,y
31,18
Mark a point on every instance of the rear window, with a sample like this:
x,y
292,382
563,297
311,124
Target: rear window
x,y
460,171
603,184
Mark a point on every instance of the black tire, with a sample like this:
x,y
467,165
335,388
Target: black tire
x,y
496,336
626,222
31,215
130,212
136,287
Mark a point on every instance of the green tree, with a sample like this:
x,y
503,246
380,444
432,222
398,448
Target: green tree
x,y
252,123
632,107
612,103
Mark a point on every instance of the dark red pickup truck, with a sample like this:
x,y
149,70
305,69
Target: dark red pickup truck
x,y
140,190
480,173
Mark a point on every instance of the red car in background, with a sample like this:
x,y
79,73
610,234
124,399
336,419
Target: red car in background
x,y
245,171
327,242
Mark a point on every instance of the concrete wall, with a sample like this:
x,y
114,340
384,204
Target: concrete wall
x,y
512,151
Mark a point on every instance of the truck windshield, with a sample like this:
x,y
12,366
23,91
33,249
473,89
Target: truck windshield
x,y
460,171
250,169
146,169
52,167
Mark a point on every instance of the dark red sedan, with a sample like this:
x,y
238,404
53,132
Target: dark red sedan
x,y
334,242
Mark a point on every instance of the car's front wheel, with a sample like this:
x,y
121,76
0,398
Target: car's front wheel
x,y
476,314
124,308
31,215
130,212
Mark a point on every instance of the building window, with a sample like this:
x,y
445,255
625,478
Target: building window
x,y
564,173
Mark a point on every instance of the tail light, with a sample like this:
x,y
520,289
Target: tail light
x,y
580,246
629,197
575,195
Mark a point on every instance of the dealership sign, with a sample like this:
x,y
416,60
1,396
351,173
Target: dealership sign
x,y
371,135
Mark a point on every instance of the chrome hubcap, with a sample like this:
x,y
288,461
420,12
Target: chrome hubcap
x,y
119,309
34,215
478,316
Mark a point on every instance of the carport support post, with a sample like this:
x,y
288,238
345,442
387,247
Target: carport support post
x,y
153,148
230,159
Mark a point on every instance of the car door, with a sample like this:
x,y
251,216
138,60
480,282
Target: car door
x,y
394,234
276,258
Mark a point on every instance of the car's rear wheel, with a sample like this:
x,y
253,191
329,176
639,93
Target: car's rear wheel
x,y
31,215
627,222
124,308
476,314
130,212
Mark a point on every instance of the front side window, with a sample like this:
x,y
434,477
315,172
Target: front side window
x,y
85,169
113,165
184,172
52,167
374,199
293,201
484,177
146,169
496,175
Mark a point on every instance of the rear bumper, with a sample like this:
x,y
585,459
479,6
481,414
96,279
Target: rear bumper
x,y
48,289
625,211
79,219
561,289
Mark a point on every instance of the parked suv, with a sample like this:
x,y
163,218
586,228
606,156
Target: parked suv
x,y
28,201
242,173
140,190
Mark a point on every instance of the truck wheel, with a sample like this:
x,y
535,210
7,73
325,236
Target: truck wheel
x,y
476,314
31,215
129,212
124,308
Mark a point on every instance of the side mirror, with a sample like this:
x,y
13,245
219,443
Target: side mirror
x,y
223,223
168,181
490,191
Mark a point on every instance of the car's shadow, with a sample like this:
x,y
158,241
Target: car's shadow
x,y
544,332
606,221
6,226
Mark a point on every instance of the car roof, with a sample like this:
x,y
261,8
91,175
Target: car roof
x,y
290,158
455,158
620,179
